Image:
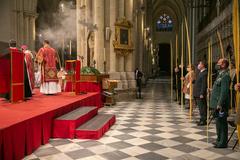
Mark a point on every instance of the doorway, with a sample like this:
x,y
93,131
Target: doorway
x,y
164,54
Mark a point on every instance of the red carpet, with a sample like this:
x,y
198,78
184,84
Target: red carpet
x,y
25,126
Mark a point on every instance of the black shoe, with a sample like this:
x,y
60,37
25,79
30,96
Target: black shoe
x,y
202,123
219,146
197,122
214,144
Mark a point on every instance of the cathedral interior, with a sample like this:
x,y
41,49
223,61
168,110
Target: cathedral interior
x,y
116,37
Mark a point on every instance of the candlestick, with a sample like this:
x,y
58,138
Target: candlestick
x,y
70,49
63,51
104,54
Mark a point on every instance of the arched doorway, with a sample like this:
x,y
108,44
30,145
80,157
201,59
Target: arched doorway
x,y
164,54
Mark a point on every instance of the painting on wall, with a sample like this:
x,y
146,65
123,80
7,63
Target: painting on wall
x,y
123,40
124,36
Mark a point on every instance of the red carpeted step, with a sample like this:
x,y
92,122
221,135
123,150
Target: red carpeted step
x,y
64,126
96,127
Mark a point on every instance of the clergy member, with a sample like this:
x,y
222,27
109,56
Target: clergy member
x,y
47,56
28,58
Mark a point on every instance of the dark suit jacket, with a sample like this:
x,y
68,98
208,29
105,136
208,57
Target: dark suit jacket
x,y
200,85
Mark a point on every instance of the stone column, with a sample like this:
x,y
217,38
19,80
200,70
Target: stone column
x,y
19,20
136,35
113,17
99,34
78,5
121,6
82,29
32,33
140,42
29,15
26,29
88,20
80,11
129,16
129,58
193,32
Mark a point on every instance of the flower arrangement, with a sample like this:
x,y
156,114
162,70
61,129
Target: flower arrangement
x,y
90,71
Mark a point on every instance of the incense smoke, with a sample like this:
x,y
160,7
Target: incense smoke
x,y
63,27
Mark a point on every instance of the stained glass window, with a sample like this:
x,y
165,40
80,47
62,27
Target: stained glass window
x,y
164,23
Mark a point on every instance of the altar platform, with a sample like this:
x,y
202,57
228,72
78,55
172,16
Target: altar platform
x,y
27,125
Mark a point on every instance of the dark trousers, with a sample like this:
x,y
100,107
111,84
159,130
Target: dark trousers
x,y
179,96
139,88
202,106
222,131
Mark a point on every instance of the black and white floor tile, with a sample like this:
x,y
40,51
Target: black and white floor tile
x,y
153,128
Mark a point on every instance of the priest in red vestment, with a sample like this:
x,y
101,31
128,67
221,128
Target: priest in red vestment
x,y
47,56
28,58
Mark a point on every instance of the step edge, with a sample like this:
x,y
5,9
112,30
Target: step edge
x,y
57,119
112,116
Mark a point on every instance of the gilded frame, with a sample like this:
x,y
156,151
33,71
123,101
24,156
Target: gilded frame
x,y
123,43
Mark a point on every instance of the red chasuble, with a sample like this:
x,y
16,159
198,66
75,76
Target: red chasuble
x,y
49,60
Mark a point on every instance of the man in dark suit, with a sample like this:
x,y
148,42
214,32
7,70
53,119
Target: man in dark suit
x,y
138,77
200,92
237,119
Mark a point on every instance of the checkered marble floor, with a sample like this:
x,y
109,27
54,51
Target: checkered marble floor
x,y
149,129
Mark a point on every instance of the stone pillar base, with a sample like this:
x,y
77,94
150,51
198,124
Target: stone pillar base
x,y
127,85
131,80
126,80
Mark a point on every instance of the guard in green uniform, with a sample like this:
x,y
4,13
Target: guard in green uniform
x,y
220,100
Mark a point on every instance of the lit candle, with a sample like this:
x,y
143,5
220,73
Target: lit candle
x,y
104,54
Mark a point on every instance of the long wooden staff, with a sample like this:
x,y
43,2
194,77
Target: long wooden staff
x,y
208,87
220,43
209,82
231,88
236,50
59,60
182,54
190,63
211,63
171,70
176,64
211,67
